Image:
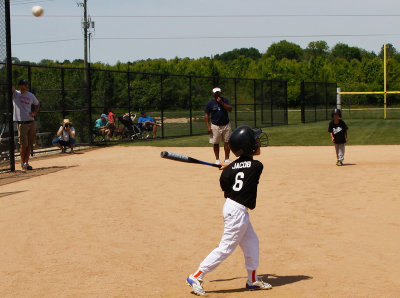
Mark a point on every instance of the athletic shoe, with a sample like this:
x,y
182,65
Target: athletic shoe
x,y
63,149
28,167
339,163
196,285
228,161
258,285
217,162
72,151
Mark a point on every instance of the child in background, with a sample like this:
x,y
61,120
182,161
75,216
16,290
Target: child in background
x,y
338,130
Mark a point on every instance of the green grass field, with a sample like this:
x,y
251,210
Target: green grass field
x,y
361,132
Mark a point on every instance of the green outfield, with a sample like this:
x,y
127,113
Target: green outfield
x,y
361,132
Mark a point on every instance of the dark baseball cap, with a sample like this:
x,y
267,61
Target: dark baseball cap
x,y
22,82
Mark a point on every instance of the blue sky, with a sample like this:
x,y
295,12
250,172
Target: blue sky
x,y
41,38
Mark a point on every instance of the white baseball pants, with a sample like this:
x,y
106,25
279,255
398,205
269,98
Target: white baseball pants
x,y
340,152
238,231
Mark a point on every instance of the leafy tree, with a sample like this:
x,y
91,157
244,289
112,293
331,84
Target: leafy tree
x,y
344,51
229,56
285,49
316,49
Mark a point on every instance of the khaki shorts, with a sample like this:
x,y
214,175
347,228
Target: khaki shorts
x,y
220,133
27,134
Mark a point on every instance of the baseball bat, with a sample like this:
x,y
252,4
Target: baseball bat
x,y
184,158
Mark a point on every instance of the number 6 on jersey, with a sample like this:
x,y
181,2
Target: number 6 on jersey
x,y
238,182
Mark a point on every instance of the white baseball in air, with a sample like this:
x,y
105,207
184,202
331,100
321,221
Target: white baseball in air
x,y
37,11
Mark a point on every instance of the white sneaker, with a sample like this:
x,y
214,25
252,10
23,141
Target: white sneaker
x,y
217,162
228,161
258,285
196,285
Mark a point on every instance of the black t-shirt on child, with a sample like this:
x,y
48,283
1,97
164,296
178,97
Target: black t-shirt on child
x,y
239,181
339,131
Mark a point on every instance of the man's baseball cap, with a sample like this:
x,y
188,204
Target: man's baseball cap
x,y
103,116
22,82
216,89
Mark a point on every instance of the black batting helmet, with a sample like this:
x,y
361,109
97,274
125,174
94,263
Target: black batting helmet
x,y
243,140
337,111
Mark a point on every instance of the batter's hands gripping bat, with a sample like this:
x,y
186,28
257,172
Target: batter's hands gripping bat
x,y
184,158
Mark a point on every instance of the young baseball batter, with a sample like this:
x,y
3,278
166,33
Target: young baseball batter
x,y
338,130
239,181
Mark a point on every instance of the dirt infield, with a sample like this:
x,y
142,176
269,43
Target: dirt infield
x,y
122,222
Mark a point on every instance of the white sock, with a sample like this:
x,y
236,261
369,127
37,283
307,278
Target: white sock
x,y
252,276
199,274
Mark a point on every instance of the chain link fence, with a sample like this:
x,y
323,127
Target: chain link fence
x,y
177,102
317,101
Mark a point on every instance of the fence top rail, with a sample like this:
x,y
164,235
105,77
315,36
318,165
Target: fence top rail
x,y
147,73
308,82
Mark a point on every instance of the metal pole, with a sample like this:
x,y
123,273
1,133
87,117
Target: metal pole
x,y
255,103
63,93
303,104
338,98
190,105
85,40
286,106
272,104
162,105
384,79
234,84
89,95
262,101
129,91
9,86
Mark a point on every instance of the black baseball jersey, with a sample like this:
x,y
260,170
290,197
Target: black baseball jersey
x,y
339,131
239,181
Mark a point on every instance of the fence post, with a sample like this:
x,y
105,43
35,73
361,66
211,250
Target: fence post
x,y
286,120
272,105
262,101
190,106
29,77
234,87
9,85
315,102
338,98
129,91
63,93
303,103
89,95
326,101
162,105
255,103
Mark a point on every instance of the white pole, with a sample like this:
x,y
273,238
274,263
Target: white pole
x,y
338,98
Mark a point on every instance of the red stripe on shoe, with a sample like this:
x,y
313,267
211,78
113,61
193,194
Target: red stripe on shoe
x,y
198,274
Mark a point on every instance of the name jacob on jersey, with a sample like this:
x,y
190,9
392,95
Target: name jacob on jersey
x,y
242,165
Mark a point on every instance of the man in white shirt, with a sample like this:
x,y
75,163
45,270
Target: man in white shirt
x,y
24,116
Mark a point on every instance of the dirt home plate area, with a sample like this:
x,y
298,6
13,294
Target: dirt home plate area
x,y
122,222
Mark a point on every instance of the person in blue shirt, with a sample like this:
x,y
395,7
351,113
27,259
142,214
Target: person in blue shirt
x,y
148,123
220,129
101,125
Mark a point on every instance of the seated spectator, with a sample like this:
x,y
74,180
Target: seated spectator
x,y
66,136
111,121
148,123
101,126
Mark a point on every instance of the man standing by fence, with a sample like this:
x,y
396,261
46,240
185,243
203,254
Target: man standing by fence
x,y
23,115
220,128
